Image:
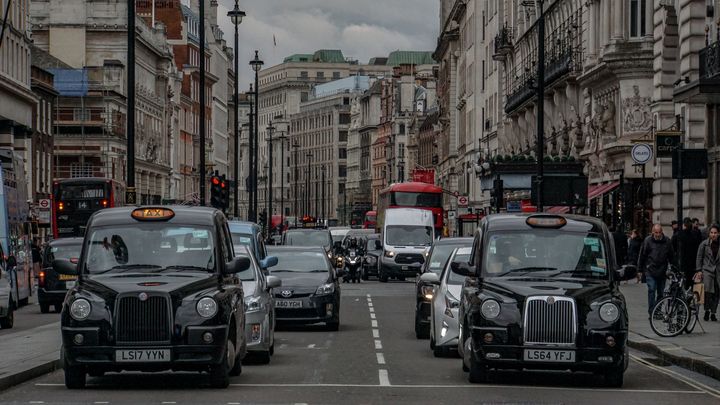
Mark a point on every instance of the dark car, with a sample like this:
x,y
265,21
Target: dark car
x,y
157,289
373,252
310,291
310,238
53,286
250,234
437,259
542,293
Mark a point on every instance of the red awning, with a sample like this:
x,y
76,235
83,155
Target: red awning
x,y
596,190
558,209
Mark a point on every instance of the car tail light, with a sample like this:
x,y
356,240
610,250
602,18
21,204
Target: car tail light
x,y
104,203
41,279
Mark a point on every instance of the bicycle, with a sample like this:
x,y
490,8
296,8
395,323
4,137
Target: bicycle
x,y
678,310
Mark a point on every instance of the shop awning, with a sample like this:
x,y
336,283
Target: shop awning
x,y
596,190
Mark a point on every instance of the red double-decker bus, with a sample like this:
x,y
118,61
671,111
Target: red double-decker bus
x,y
75,200
412,195
370,220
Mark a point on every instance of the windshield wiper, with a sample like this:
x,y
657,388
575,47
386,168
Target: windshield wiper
x,y
183,267
281,271
128,267
526,270
584,272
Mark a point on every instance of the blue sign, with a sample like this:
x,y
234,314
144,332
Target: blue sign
x,y
514,206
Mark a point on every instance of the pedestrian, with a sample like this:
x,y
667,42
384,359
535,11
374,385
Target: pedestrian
x,y
686,243
697,231
656,253
621,245
36,257
633,250
675,227
708,263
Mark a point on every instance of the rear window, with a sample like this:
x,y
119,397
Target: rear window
x,y
307,239
299,261
62,252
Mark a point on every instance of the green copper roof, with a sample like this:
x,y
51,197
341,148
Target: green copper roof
x,y
398,58
329,56
299,57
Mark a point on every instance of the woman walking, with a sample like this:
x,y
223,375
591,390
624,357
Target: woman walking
x,y
708,262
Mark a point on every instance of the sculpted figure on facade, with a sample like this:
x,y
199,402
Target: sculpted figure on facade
x,y
575,133
593,126
609,131
636,112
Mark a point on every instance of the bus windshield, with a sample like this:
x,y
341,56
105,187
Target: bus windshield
x,y
77,199
407,199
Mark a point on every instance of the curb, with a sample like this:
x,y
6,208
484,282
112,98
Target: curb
x,y
22,376
676,355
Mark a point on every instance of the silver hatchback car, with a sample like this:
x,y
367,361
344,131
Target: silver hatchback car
x,y
259,308
444,325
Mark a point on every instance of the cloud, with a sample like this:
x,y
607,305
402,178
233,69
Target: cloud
x,y
361,29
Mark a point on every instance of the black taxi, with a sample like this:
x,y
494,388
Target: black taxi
x,y
157,289
541,292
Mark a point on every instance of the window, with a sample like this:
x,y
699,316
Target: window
x,y
342,153
342,171
304,75
304,96
320,75
336,75
343,136
637,18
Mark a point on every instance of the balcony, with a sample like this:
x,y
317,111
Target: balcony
x,y
706,89
503,44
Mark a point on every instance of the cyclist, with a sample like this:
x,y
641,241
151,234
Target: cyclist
x,y
656,253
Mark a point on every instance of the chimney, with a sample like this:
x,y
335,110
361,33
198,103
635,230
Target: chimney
x,y
212,13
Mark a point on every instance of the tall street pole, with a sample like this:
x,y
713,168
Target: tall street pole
x,y
282,176
540,106
323,192
295,177
269,202
252,213
307,184
130,194
203,101
256,66
236,16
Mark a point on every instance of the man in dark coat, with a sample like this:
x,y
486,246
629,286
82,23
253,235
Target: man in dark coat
x,y
685,243
621,246
656,254
633,251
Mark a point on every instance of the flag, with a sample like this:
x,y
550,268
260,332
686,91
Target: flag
x,y
274,40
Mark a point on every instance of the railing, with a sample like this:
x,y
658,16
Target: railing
x,y
710,61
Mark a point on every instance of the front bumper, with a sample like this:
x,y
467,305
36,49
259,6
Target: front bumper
x,y
447,329
315,309
258,340
192,355
392,269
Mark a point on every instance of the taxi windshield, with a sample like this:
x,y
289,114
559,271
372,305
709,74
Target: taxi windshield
x,y
439,256
244,239
149,247
545,252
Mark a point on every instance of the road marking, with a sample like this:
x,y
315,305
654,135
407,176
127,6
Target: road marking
x,y
697,385
374,323
378,344
37,402
384,379
368,295
101,402
283,346
376,333
380,358
372,316
372,309
370,304
311,346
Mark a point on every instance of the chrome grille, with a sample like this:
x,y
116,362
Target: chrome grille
x,y
550,320
409,258
145,321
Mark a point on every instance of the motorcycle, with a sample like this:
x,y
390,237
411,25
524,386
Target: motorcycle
x,y
353,262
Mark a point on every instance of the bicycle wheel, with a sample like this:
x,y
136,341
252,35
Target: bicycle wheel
x,y
694,305
669,317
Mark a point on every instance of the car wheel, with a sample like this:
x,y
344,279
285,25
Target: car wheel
x,y
441,351
382,276
614,378
96,373
478,372
364,275
333,326
272,349
44,308
75,376
401,278
8,320
421,332
262,357
220,374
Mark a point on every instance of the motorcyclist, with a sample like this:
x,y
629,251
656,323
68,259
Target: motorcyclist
x,y
352,245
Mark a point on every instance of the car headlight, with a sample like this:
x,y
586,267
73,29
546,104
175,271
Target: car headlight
x,y
370,259
428,291
80,309
490,309
252,304
389,253
325,289
207,307
329,255
609,312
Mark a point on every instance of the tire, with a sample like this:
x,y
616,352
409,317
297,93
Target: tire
x,y
478,372
694,310
364,275
382,276
220,374
75,376
441,351
8,320
421,332
669,317
262,357
401,278
96,373
237,367
614,378
333,326
272,349
44,308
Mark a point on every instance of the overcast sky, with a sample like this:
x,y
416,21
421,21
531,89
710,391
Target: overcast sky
x,y
360,28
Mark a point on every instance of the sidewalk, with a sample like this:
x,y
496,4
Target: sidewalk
x,y
698,351
29,354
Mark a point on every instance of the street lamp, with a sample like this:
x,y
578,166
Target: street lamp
x,y
322,169
269,183
252,163
296,146
309,156
282,139
256,65
540,105
236,17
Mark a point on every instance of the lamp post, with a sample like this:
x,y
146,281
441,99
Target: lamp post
x,y
256,65
236,16
307,183
322,169
130,194
282,139
252,173
296,146
203,104
269,182
540,105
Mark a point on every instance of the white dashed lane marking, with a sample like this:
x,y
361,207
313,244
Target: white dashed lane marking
x,y
373,323
384,379
380,358
376,333
372,316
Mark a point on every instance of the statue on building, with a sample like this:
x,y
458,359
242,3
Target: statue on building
x,y
609,131
575,133
636,112
593,126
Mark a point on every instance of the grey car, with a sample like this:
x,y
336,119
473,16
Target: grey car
x,y
259,308
444,325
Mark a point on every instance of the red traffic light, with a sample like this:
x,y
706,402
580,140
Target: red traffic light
x,y
222,184
215,181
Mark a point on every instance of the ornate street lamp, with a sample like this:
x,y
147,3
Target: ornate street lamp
x,y
236,17
256,65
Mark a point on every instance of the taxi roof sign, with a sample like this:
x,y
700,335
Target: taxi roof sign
x,y
546,221
152,214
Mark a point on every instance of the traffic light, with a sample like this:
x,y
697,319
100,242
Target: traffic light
x,y
497,194
224,193
263,218
216,192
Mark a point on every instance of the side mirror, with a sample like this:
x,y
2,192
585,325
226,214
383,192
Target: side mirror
x,y
268,262
340,273
462,269
65,267
626,272
378,244
237,265
430,278
273,282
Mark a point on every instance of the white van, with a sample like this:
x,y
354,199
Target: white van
x,y
407,235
